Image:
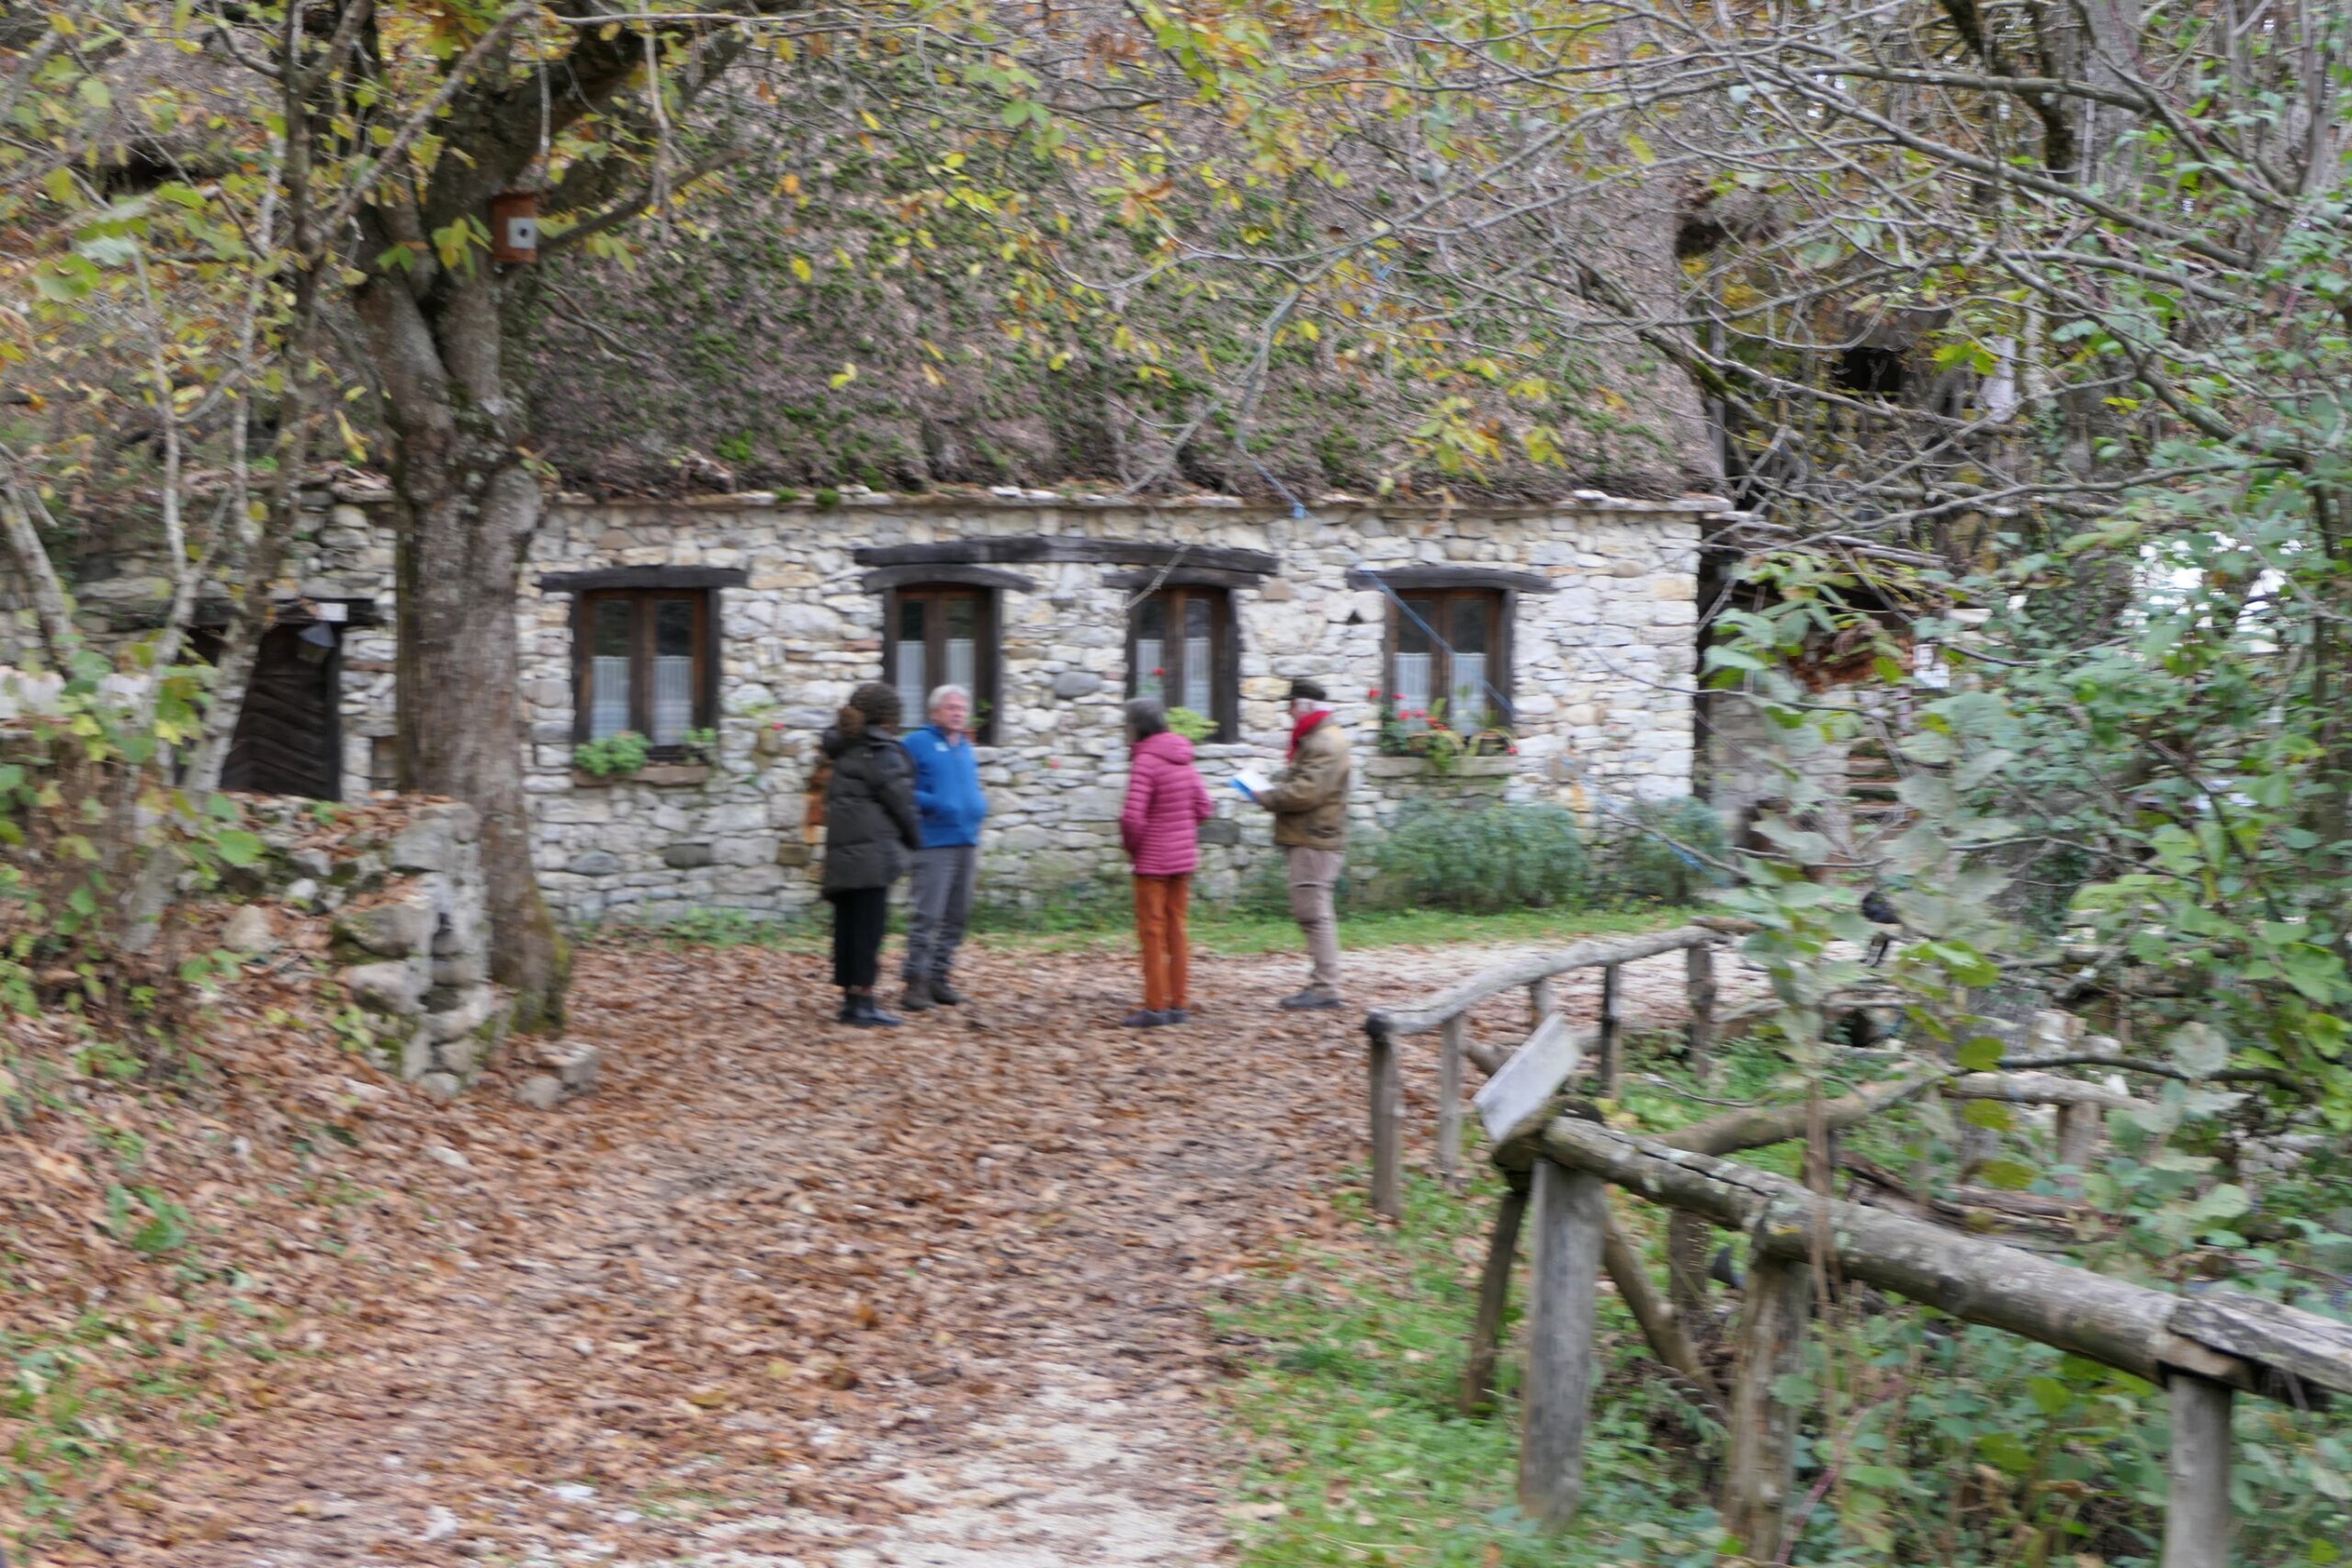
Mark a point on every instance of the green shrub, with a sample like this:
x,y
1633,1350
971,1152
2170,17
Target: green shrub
x,y
1192,726
1668,852
621,754
1504,857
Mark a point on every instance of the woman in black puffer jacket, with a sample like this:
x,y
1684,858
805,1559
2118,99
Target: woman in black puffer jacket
x,y
870,827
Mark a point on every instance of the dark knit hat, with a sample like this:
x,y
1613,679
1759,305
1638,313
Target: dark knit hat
x,y
878,704
1310,690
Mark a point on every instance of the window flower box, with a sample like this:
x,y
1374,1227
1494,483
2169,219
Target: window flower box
x,y
1421,767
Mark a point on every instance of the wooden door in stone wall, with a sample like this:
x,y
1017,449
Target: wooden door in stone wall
x,y
289,737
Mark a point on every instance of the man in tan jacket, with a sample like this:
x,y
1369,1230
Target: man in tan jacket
x,y
1309,801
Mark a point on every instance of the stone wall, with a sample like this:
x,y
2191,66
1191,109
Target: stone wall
x,y
1604,664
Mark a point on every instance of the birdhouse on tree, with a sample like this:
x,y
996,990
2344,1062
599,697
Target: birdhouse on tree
x,y
514,227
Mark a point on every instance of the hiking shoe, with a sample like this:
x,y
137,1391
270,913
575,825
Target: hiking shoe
x,y
1177,1015
849,1010
1311,1001
1143,1017
871,1015
919,995
945,994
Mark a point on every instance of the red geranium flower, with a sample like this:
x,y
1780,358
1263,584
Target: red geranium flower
x,y
1159,672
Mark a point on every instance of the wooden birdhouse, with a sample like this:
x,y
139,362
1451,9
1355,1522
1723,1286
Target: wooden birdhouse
x,y
514,227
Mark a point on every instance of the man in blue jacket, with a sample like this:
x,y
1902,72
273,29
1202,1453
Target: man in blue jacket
x,y
947,794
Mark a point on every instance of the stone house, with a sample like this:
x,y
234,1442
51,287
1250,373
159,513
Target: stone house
x,y
726,629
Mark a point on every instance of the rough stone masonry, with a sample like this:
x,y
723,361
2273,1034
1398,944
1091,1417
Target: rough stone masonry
x,y
1599,596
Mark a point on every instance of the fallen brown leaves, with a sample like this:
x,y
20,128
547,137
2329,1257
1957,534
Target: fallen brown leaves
x,y
758,1277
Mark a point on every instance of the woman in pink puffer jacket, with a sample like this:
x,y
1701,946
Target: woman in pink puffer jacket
x,y
1167,803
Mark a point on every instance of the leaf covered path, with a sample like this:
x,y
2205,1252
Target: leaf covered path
x,y
784,1293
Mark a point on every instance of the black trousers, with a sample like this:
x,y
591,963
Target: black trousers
x,y
860,915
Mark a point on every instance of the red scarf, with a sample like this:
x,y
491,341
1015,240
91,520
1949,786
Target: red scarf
x,y
1299,731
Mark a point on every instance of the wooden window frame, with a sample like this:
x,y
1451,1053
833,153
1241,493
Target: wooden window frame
x,y
1225,662
986,702
641,674
1502,611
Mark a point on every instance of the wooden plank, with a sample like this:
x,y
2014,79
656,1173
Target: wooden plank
x,y
2196,1508
1760,1471
1449,1098
1661,1325
1699,990
2303,1345
1571,1214
1494,982
1494,1299
1513,1102
1611,1066
1385,1097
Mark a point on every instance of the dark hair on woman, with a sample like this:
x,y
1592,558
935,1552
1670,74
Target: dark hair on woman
x,y
1146,718
878,704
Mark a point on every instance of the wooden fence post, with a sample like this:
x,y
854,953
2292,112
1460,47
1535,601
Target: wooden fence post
x,y
1760,1469
1386,1096
2080,1127
1571,1214
1611,1068
1539,1000
1699,986
1449,1098
1494,1297
2196,1511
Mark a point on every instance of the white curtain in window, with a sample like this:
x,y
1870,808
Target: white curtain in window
x,y
1412,685
1466,707
910,688
1196,674
1150,679
608,711
673,698
963,669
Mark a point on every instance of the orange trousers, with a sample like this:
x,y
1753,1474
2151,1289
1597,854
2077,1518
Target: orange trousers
x,y
1167,951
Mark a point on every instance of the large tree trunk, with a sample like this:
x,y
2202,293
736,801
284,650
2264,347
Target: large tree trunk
x,y
468,509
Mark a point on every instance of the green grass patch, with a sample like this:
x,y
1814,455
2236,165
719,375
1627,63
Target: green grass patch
x,y
1357,1453
1107,927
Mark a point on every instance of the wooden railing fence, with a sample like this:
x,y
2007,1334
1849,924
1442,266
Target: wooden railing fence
x,y
2203,1349
1448,1013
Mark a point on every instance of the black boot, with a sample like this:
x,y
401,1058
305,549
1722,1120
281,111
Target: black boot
x,y
945,994
919,995
849,1007
871,1015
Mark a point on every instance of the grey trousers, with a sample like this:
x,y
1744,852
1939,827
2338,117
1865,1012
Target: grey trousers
x,y
939,904
1313,876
